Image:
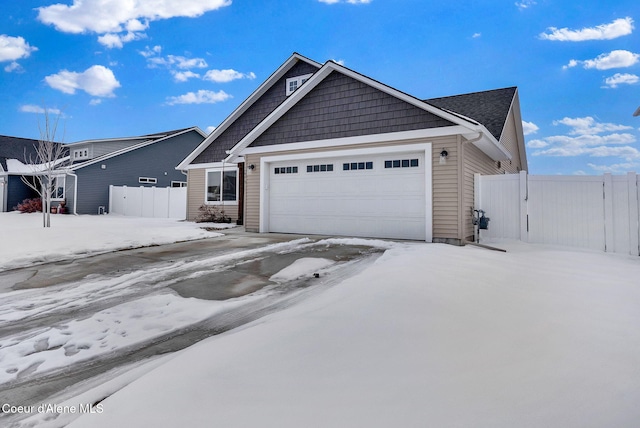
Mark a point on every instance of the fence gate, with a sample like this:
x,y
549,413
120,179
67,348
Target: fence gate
x,y
157,202
596,212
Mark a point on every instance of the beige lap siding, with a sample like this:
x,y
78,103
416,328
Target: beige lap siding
x,y
195,192
196,196
445,185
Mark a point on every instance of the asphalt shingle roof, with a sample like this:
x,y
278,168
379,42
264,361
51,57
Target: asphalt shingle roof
x,y
489,108
15,148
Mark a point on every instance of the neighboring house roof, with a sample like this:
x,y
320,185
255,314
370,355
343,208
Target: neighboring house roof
x,y
246,104
21,149
146,141
489,108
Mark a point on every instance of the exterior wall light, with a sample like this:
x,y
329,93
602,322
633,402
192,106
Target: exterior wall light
x,y
443,156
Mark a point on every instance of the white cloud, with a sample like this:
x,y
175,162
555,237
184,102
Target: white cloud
x,y
112,40
14,48
525,4
97,80
32,108
529,128
173,61
588,126
606,61
224,76
121,16
149,52
210,129
14,66
615,168
618,28
183,76
200,97
621,79
95,101
476,35
585,139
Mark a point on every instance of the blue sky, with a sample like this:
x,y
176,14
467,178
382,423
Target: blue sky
x,y
123,67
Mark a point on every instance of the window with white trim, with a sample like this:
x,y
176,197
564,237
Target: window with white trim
x,y
80,154
221,186
294,83
57,188
178,184
147,180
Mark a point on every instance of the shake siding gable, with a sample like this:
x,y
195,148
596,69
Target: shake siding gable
x,y
271,99
341,106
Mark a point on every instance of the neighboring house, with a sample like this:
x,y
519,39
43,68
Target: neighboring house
x,y
147,160
16,157
322,149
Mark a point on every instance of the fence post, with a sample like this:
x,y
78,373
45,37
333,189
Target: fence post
x,y
110,198
608,212
524,210
634,232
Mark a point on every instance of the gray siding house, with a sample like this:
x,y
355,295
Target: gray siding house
x,y
147,160
12,189
322,149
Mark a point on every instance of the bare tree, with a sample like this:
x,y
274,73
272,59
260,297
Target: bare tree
x,y
49,157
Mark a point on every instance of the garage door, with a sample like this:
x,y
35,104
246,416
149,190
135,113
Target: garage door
x,y
380,196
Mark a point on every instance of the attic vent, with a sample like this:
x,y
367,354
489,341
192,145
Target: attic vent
x,y
294,83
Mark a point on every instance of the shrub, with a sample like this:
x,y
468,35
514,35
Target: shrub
x,y
211,214
29,206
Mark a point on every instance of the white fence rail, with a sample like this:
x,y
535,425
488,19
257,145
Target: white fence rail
x,y
596,212
157,202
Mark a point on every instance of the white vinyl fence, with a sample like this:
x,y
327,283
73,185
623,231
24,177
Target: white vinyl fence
x,y
596,212
158,202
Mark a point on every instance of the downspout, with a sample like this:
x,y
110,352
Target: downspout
x,y
75,192
461,184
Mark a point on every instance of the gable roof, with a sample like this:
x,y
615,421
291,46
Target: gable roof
x,y
489,108
246,104
469,127
16,148
146,141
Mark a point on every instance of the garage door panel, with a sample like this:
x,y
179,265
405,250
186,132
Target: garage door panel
x,y
375,202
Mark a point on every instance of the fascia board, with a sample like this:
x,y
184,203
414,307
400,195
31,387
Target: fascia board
x,y
318,77
106,140
206,165
248,102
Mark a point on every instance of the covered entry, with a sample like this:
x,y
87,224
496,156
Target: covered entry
x,y
379,193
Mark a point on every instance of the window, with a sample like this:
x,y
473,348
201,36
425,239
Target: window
x,y
80,154
401,163
147,180
286,170
294,83
320,168
354,166
222,186
58,187
178,184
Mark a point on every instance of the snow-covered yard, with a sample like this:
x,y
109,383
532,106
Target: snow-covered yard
x,y
428,335
24,241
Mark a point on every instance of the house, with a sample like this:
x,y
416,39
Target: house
x,y
16,156
322,149
146,160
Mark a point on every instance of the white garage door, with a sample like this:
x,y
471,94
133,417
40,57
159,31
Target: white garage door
x,y
380,196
